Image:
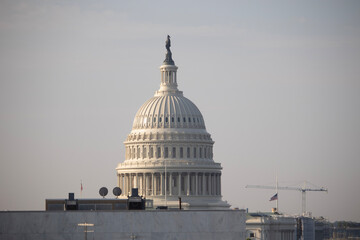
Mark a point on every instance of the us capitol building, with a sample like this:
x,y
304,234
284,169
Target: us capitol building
x,y
169,153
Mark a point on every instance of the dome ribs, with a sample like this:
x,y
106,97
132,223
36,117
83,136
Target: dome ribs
x,y
167,107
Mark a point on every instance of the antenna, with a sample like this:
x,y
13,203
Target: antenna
x,y
103,192
117,191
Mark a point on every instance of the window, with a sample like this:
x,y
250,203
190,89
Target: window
x,y
189,119
172,119
188,152
194,152
178,119
159,119
144,152
173,152
158,152
151,153
166,153
252,235
154,119
166,119
181,152
193,119
200,153
184,119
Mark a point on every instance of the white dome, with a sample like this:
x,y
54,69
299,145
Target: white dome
x,y
169,111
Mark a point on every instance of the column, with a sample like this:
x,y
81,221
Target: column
x,y
216,183
196,184
170,184
155,184
179,192
209,184
120,183
126,180
203,184
162,183
131,182
124,184
220,184
188,184
212,184
137,181
152,184
146,185
143,184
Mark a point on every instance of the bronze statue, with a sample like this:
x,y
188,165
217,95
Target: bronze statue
x,y
168,43
168,58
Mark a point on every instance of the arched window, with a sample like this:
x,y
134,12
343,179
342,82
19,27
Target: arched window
x,y
194,152
188,152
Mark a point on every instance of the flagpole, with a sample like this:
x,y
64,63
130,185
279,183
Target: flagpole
x,y
277,199
165,184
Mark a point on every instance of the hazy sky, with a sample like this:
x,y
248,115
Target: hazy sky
x,y
276,81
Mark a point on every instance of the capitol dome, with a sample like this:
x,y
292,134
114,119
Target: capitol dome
x,y
168,111
169,153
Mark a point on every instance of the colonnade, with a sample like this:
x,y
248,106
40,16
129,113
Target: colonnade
x,y
171,183
167,152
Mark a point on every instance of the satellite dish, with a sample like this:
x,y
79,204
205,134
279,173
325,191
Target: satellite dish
x,y
103,192
117,191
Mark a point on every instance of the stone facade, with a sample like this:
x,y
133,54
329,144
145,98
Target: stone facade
x,y
271,226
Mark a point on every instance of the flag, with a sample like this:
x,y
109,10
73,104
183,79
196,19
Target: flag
x,y
275,197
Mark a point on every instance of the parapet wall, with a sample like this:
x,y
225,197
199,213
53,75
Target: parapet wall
x,y
156,225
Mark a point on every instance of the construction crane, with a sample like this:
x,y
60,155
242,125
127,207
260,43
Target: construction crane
x,y
303,191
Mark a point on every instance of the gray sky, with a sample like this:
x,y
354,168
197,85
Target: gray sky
x,y
277,83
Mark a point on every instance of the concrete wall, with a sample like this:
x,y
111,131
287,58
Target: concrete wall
x,y
157,225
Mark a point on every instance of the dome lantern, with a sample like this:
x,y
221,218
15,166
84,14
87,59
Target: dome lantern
x,y
168,71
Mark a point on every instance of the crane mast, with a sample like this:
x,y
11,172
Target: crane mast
x,y
303,191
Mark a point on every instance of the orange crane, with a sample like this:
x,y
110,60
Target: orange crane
x,y
303,191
